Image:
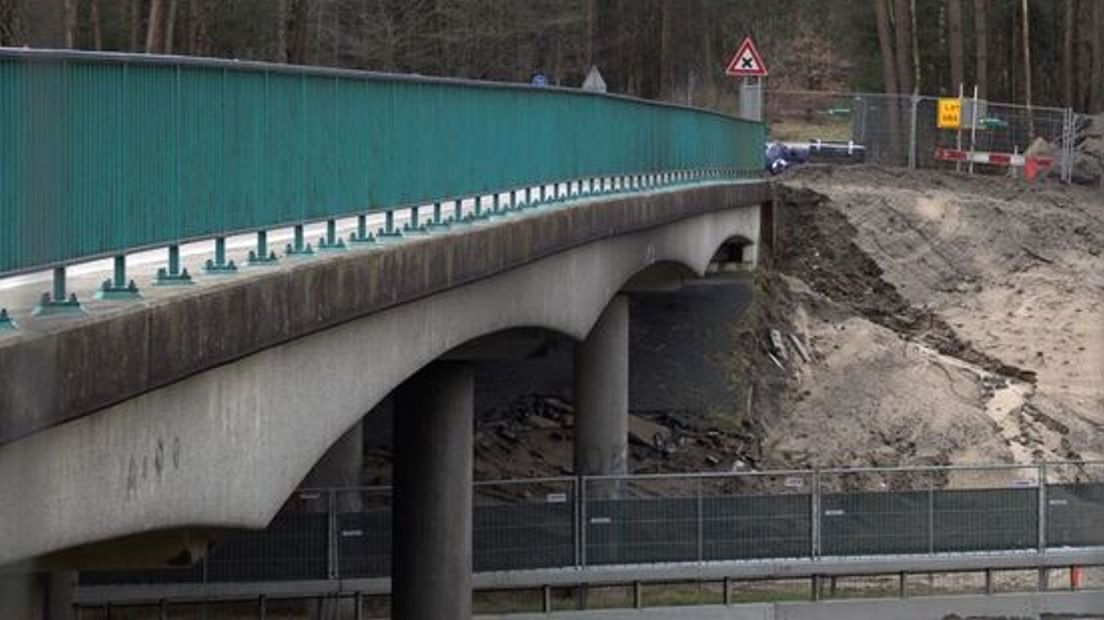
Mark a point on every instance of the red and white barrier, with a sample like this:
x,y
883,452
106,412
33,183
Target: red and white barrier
x,y
1032,165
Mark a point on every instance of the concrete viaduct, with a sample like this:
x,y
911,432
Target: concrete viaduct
x,y
133,437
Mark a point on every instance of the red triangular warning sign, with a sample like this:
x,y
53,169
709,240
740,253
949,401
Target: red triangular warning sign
x,y
747,62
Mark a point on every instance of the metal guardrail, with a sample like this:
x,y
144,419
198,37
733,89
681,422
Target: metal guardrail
x,y
104,154
624,521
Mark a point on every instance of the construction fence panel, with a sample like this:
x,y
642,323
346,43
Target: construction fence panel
x,y
1075,505
363,533
632,521
757,516
663,518
524,524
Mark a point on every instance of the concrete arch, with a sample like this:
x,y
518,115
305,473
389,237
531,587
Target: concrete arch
x,y
224,448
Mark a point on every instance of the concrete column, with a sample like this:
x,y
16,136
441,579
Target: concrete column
x,y
341,466
37,596
602,394
432,516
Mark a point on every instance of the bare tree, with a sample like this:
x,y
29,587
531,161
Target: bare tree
x,y
666,72
300,25
901,18
134,13
170,28
279,29
70,23
889,67
97,28
155,27
914,32
1025,30
981,42
954,43
1068,35
1096,100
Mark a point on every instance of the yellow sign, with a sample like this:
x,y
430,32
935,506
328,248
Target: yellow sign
x,y
949,115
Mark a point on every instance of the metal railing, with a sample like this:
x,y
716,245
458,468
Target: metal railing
x,y
684,518
107,153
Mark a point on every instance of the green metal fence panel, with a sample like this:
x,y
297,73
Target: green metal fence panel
x,y
104,153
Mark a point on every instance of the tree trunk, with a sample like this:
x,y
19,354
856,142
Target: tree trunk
x,y
97,28
154,31
666,75
914,31
1025,30
954,43
1096,103
135,19
170,28
889,73
8,9
300,23
981,40
280,28
904,46
1067,52
889,67
70,24
591,32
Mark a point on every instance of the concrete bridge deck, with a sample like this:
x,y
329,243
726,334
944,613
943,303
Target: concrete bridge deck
x,y
211,404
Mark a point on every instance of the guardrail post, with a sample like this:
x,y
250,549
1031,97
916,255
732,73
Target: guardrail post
x,y
331,241
298,246
575,527
219,265
118,287
262,610
262,255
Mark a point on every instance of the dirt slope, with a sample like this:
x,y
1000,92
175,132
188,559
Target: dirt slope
x,y
952,319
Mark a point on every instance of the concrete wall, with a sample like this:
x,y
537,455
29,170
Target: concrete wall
x,y
224,447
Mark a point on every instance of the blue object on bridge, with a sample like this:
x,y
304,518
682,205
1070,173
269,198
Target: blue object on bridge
x,y
539,80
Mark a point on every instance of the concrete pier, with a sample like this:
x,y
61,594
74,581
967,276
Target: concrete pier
x,y
432,515
37,596
602,394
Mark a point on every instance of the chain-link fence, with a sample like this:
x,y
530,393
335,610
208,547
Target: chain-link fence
x,y
901,130
663,518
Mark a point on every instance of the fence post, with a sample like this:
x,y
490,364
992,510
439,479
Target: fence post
x,y
1042,507
914,100
331,538
581,524
814,506
701,518
931,517
575,522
